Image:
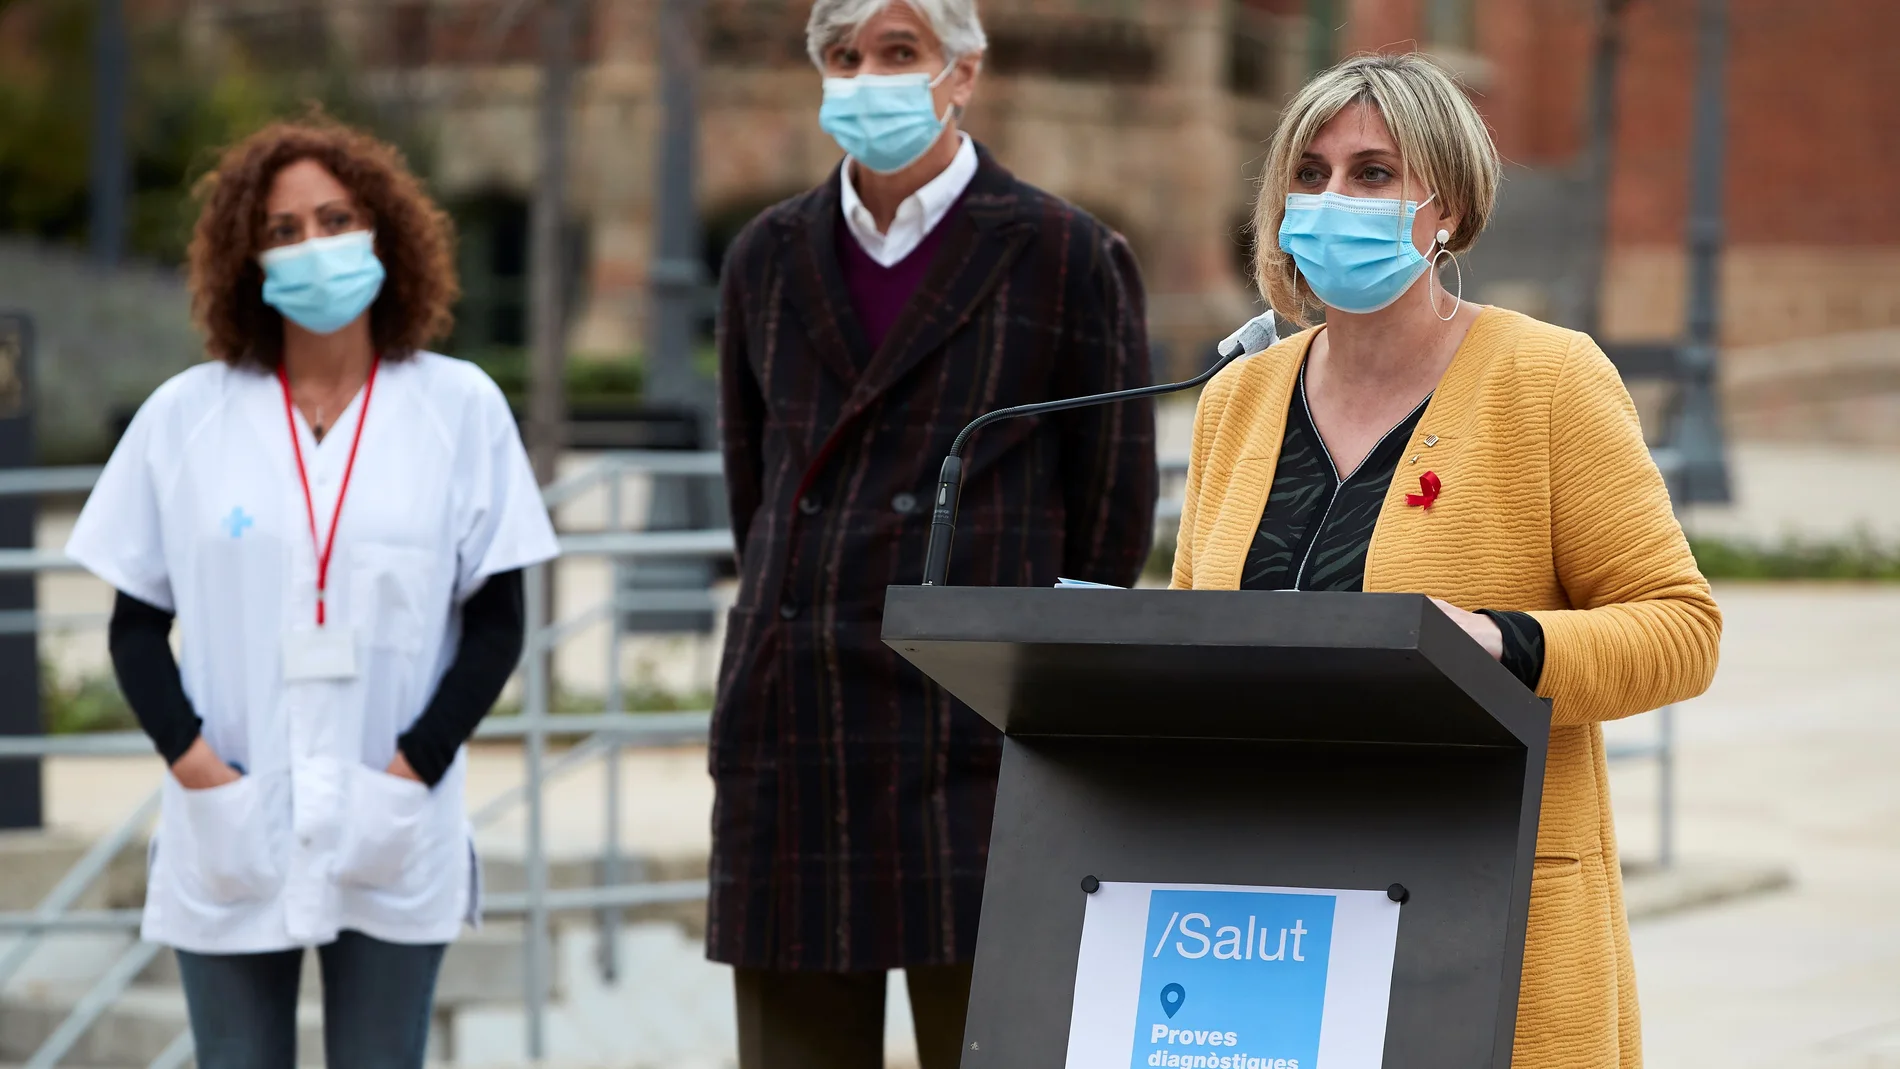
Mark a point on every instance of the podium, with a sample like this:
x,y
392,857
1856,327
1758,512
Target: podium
x,y
1243,738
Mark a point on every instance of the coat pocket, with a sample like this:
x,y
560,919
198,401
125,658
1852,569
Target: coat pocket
x,y
230,849
386,828
1566,1010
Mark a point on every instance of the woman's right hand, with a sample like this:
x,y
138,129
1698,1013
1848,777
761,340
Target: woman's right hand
x,y
201,768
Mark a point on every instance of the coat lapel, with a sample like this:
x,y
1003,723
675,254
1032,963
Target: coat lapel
x,y
815,285
1264,392
986,234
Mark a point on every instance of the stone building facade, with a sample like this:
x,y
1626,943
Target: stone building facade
x,y
1153,114
1146,112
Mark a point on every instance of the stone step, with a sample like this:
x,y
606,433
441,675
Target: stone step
x,y
35,861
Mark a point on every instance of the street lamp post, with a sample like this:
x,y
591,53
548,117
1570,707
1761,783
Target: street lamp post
x,y
1699,423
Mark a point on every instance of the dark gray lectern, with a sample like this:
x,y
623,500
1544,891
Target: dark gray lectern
x,y
1251,738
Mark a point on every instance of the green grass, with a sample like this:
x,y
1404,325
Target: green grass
x,y
1857,559
593,382
89,704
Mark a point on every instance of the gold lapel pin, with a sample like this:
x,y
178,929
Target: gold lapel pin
x,y
1431,440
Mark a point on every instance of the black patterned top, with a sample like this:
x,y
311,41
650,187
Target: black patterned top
x,y
1317,527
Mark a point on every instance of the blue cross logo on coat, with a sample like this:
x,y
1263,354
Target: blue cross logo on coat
x,y
237,523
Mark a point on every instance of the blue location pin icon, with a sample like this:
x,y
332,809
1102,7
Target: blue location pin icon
x,y
1172,996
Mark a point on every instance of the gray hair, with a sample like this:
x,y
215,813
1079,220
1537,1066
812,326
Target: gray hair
x,y
953,21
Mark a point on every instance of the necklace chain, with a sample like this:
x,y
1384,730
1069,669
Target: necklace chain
x,y
320,421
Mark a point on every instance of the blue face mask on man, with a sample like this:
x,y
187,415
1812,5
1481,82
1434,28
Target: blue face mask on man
x,y
884,121
1355,252
323,284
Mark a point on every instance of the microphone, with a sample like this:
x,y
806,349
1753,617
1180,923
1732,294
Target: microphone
x,y
1257,335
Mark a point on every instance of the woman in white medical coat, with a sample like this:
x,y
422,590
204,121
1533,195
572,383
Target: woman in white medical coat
x,y
337,520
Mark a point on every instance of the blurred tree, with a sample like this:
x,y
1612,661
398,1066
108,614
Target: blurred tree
x,y
182,111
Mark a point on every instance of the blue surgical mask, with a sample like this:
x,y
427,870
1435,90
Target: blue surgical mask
x,y
884,121
1355,252
323,284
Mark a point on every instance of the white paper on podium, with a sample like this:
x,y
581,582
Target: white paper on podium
x,y
1232,977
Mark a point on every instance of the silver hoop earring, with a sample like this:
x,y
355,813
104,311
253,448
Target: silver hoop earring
x,y
1458,298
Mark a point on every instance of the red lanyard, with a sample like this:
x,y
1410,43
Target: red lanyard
x,y
328,544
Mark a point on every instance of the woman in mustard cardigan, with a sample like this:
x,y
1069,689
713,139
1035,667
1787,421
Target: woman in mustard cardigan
x,y
1417,442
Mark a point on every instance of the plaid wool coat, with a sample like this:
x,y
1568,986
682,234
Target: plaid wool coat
x,y
854,797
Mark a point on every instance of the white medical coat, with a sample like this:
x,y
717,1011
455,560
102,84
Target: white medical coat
x,y
200,512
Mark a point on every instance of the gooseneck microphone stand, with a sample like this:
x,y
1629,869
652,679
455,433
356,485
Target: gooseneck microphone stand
x,y
943,520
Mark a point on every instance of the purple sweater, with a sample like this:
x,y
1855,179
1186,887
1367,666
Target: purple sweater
x,y
879,293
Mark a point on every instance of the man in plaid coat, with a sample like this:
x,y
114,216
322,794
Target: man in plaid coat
x,y
863,323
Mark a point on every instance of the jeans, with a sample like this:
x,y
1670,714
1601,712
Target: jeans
x,y
376,1004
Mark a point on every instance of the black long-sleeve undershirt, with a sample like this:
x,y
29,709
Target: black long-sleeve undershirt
x,y
494,626
139,638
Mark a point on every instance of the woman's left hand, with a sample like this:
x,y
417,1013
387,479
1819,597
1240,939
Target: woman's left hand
x,y
1478,626
399,766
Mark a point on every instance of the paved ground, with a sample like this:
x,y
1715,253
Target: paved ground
x,y
1791,756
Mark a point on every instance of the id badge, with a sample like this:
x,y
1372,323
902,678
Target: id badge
x,y
320,653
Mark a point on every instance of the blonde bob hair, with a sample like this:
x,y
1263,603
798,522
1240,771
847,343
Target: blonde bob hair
x,y
1441,138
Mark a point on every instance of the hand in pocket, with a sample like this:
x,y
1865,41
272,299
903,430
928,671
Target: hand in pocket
x,y
385,827
200,768
230,850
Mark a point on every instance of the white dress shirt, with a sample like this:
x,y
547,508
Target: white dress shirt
x,y
916,217
200,512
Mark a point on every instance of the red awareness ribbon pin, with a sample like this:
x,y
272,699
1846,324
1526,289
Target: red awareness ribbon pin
x,y
1429,489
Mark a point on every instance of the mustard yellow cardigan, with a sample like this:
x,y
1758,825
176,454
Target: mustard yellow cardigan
x,y
1549,504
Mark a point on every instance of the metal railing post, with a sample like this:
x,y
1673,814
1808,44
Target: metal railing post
x,y
534,709
610,852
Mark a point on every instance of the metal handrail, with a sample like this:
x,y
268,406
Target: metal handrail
x,y
77,880
602,734
22,482
707,543
610,466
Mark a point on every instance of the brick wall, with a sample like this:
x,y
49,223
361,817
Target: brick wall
x,y
1812,209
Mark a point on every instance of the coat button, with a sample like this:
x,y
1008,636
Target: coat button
x,y
787,611
904,503
809,505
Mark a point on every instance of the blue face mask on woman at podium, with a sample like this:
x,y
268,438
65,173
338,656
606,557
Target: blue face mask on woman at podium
x,y
1355,252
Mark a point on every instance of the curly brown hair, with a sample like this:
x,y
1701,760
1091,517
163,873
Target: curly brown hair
x,y
414,240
